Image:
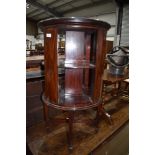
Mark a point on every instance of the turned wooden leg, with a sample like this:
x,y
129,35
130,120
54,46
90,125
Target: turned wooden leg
x,y
70,119
97,118
46,115
119,88
126,86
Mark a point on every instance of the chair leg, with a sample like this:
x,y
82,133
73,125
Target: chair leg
x,y
126,86
119,88
70,119
108,116
103,112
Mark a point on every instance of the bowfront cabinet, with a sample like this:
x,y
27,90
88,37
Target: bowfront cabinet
x,y
75,49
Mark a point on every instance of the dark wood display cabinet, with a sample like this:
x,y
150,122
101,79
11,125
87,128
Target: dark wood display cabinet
x,y
73,71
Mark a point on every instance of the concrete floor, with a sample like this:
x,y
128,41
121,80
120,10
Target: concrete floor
x,y
118,144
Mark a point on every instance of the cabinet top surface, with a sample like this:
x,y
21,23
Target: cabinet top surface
x,y
73,21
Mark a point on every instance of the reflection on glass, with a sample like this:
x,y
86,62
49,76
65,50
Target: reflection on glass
x,y
86,66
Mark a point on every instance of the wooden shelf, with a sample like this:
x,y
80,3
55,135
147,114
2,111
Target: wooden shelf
x,y
74,66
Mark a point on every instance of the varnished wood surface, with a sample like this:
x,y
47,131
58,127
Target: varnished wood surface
x,y
100,57
51,71
72,21
73,103
85,41
107,77
74,77
73,93
85,138
33,63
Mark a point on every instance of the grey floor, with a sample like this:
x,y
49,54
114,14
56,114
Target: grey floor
x,y
117,145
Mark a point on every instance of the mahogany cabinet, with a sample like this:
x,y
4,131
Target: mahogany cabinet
x,y
74,66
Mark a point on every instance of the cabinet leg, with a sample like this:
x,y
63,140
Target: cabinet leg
x,y
70,131
97,118
46,115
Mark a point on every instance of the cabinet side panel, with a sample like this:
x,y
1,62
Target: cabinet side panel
x,y
86,71
51,71
100,58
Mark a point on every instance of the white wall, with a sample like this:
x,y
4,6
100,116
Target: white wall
x,y
95,10
31,38
111,19
105,12
124,40
125,27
